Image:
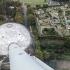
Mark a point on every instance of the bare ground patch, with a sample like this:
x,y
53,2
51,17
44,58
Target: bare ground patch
x,y
49,41
63,64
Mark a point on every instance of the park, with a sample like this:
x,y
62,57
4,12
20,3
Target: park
x,y
33,2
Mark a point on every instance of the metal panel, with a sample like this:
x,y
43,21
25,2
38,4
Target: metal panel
x,y
20,60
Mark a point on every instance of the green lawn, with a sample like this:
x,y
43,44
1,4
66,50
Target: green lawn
x,y
33,2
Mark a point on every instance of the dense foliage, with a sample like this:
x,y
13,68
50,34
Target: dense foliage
x,y
1,17
11,11
8,7
19,15
30,11
31,19
50,31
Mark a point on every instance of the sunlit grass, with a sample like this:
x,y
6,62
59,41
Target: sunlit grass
x,y
33,2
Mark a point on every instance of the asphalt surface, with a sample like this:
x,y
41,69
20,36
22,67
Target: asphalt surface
x,y
25,15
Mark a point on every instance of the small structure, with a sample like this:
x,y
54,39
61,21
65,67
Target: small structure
x,y
53,3
11,7
66,5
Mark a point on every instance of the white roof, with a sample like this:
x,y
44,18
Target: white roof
x,y
13,32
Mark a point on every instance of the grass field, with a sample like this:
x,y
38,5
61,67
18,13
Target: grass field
x,y
33,2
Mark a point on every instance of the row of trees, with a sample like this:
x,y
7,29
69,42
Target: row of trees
x,y
31,19
19,16
38,6
5,6
54,52
9,10
57,50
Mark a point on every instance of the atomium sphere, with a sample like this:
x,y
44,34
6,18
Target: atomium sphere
x,y
15,33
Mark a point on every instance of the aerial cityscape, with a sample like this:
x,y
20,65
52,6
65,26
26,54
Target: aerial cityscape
x,y
48,24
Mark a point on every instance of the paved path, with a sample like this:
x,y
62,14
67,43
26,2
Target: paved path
x,y
59,32
25,15
67,31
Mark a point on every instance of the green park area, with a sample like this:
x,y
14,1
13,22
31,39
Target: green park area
x,y
33,2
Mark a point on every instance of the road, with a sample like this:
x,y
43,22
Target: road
x,y
25,15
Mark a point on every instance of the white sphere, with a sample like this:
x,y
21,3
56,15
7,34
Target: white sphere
x,y
14,33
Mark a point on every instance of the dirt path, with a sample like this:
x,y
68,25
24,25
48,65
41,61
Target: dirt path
x,y
63,64
49,41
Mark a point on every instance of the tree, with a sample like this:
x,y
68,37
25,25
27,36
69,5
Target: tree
x,y
53,63
2,7
19,9
31,19
44,0
19,18
19,15
17,3
38,54
46,54
1,18
28,5
47,31
30,11
67,43
45,5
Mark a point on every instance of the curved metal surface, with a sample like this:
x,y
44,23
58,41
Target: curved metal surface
x,y
21,60
17,33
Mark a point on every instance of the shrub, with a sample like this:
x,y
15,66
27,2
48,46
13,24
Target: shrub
x,y
1,18
53,63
